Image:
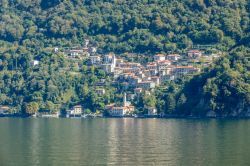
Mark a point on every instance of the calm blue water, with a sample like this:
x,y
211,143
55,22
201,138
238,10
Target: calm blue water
x,y
70,142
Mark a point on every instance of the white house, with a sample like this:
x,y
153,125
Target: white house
x,y
159,57
109,63
76,111
121,111
173,57
35,62
182,70
151,65
162,65
95,59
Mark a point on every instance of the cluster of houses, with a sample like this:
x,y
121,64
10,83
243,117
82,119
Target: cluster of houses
x,y
144,77
78,52
139,78
133,76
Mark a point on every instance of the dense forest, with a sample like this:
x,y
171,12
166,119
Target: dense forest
x,y
29,29
125,25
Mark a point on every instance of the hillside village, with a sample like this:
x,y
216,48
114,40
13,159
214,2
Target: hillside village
x,y
142,76
133,77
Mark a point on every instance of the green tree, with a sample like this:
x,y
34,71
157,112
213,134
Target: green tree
x,y
170,104
31,107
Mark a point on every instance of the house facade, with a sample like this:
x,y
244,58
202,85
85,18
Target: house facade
x,y
76,111
120,111
173,57
159,57
4,109
95,60
194,54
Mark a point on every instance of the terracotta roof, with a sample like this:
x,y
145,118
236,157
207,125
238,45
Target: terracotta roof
x,y
4,107
173,55
159,55
164,61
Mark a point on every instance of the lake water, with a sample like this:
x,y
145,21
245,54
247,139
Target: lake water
x,y
70,142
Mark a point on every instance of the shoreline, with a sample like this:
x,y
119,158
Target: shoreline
x,y
130,117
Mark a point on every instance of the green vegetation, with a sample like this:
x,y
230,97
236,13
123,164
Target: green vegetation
x,y
29,29
223,89
122,26
52,85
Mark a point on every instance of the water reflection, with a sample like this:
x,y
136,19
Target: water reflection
x,y
124,142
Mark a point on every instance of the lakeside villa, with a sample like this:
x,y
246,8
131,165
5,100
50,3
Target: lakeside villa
x,y
120,111
76,111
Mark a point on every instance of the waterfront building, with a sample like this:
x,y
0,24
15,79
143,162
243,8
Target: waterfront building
x,y
4,109
76,111
120,111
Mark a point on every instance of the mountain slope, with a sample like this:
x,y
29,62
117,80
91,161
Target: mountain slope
x,y
125,25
